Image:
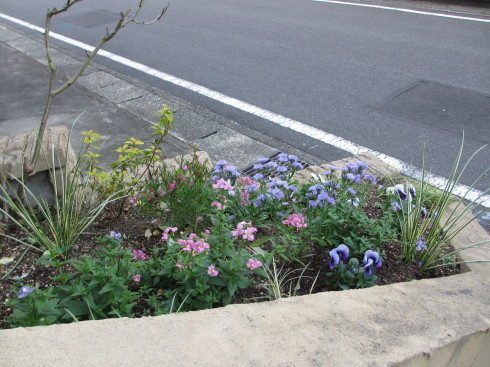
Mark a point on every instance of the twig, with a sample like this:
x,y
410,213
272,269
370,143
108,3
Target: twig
x,y
124,19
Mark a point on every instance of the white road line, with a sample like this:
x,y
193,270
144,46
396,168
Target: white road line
x,y
312,132
405,10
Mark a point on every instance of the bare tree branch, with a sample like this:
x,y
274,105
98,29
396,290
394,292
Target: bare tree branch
x,y
124,19
152,21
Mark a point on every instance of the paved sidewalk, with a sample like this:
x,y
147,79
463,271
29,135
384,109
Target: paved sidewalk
x,y
115,106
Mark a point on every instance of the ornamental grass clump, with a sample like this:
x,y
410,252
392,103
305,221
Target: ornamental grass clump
x,y
424,232
55,227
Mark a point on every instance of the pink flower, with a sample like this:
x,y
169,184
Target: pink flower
x,y
246,181
217,205
253,263
138,255
185,168
134,200
172,185
137,278
295,220
166,231
155,221
161,193
212,271
223,184
179,264
245,230
193,244
244,196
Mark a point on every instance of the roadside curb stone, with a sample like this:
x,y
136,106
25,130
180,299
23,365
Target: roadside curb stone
x,y
13,149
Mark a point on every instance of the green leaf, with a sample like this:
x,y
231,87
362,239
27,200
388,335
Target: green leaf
x,y
348,277
107,288
262,240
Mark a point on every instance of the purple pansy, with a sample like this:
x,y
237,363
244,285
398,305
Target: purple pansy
x,y
340,253
371,259
116,236
24,291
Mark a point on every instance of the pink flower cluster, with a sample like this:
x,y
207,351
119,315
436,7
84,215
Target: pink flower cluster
x,y
223,184
219,205
193,244
167,230
244,196
172,185
253,263
246,181
139,255
244,229
295,220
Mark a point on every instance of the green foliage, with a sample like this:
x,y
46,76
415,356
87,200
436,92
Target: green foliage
x,y
98,288
350,276
425,233
179,196
134,162
280,282
54,228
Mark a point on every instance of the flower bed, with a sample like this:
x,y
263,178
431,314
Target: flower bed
x,y
195,239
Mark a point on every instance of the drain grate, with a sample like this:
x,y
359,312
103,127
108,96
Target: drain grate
x,y
269,171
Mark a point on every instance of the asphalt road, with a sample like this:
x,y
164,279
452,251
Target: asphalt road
x,y
390,81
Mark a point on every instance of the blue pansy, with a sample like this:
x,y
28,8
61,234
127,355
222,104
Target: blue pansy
x,y
340,253
400,190
116,236
371,259
24,291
